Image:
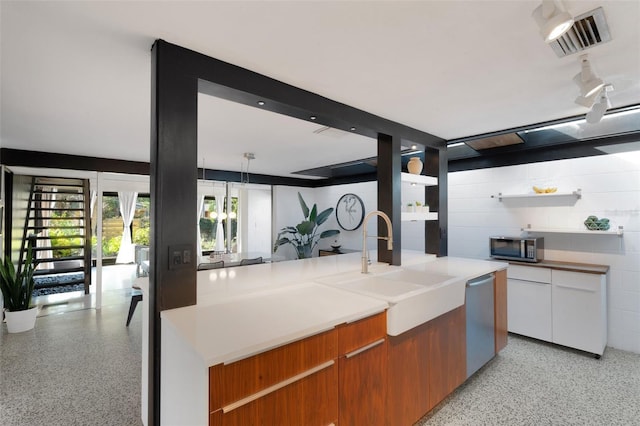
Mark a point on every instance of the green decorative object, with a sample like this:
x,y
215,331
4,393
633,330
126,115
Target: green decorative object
x,y
594,224
304,236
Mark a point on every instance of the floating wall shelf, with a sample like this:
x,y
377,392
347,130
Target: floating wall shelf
x,y
618,232
411,216
419,179
577,194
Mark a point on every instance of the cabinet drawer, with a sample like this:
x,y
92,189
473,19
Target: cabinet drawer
x,y
232,382
361,333
312,401
529,273
577,280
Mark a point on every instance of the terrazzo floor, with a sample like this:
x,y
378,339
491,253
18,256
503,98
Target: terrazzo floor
x,y
82,367
536,383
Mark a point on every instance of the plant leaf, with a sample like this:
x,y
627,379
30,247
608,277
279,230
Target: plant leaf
x,y
329,233
306,227
305,209
314,213
322,217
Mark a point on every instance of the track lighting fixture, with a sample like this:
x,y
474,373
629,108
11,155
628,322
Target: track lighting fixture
x,y
552,19
590,85
600,107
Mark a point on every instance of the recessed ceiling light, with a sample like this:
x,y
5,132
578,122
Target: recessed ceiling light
x,y
353,129
260,103
413,146
313,117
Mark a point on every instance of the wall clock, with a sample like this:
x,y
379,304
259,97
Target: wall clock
x,y
350,212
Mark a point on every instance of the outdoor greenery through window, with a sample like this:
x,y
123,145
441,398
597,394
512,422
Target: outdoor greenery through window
x,y
211,238
112,224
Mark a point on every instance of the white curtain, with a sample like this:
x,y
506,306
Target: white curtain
x,y
220,196
198,235
127,200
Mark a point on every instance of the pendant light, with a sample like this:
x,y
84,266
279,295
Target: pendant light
x,y
552,19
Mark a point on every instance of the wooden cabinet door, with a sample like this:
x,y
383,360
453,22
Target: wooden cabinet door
x,y
447,355
362,386
311,401
363,371
407,376
500,306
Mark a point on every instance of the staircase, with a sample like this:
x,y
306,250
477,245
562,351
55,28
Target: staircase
x,y
58,230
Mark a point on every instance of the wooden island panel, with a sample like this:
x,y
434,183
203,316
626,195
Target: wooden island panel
x,y
408,376
310,401
232,382
447,354
500,306
363,371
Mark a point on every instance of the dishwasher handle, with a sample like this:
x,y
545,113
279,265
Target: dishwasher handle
x,y
485,279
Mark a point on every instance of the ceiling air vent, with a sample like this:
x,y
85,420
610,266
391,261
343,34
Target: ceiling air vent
x,y
589,29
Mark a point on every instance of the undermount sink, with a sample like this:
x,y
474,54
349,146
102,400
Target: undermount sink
x,y
414,297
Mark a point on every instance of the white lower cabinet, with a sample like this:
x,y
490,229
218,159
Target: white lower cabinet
x,y
529,308
579,310
564,307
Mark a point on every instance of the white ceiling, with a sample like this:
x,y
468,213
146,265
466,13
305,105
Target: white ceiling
x,y
75,76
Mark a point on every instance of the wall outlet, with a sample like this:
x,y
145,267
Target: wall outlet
x,y
180,256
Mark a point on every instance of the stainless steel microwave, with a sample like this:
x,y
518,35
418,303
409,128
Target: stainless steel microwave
x,y
517,248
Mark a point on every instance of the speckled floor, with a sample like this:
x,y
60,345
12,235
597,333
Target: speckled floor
x,y
535,383
83,368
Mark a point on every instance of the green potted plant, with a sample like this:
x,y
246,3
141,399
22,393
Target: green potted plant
x,y
304,236
17,289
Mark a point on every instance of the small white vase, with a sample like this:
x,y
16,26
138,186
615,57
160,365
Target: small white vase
x,y
20,321
414,165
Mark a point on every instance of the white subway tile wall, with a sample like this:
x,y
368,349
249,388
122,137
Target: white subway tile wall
x,y
610,187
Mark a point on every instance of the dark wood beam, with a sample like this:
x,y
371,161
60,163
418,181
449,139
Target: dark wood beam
x,y
389,196
435,231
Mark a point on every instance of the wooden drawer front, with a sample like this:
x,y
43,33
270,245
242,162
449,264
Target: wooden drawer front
x,y
361,333
232,382
363,385
311,401
529,273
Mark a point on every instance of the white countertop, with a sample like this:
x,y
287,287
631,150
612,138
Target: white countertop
x,y
247,310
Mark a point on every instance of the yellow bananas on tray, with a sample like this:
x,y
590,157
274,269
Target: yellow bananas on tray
x,y
538,190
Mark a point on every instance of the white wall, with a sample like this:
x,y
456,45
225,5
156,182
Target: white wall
x,y
255,206
286,212
610,188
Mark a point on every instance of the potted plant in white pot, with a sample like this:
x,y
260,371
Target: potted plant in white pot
x,y
17,289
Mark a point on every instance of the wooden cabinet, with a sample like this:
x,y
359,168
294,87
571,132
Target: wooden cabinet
x,y
426,364
293,384
408,376
446,355
500,306
362,369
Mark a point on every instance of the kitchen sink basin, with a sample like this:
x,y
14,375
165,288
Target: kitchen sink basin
x,y
414,297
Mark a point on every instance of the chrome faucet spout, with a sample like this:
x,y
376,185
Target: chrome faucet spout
x,y
389,237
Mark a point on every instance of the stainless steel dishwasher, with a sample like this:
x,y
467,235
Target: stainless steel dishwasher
x,y
480,322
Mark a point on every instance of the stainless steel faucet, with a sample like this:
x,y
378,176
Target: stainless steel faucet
x,y
389,237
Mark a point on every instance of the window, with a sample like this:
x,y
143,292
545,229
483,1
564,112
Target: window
x,y
216,225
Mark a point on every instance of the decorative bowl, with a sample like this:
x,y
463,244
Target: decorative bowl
x,y
336,248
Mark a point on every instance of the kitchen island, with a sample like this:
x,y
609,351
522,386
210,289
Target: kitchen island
x,y
281,343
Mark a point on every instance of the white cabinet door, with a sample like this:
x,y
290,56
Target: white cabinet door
x,y
579,310
529,308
